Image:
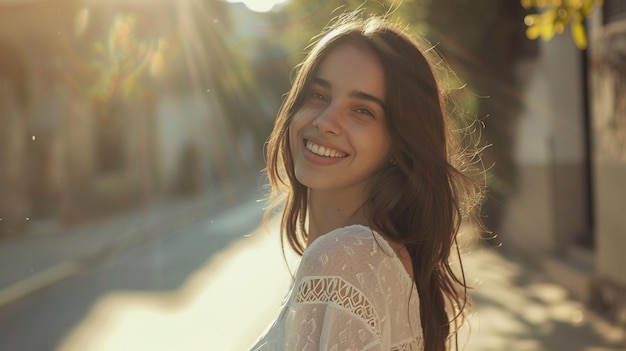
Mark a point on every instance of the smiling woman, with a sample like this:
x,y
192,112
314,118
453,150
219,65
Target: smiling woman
x,y
364,160
338,138
259,5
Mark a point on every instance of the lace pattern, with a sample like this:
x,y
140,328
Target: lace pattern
x,y
340,292
413,345
351,292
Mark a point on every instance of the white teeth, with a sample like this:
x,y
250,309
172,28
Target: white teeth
x,y
323,151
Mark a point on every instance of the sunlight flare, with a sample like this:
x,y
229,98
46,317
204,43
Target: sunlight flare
x,y
259,5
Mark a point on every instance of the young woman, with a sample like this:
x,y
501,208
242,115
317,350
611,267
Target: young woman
x,y
363,158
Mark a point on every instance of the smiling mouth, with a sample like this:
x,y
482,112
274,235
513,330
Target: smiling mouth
x,y
322,150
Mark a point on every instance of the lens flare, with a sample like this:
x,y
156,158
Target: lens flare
x,y
260,5
116,64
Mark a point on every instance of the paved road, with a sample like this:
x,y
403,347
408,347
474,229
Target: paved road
x,y
159,270
215,283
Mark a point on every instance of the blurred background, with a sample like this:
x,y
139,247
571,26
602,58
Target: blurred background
x,y
132,147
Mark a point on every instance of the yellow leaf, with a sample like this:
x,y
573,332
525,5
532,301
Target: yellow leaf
x,y
558,27
575,3
533,32
578,33
547,32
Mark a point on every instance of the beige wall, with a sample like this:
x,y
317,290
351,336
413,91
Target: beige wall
x,y
610,189
549,210
529,223
67,83
608,105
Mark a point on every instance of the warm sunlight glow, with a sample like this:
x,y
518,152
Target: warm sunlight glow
x,y
224,305
260,5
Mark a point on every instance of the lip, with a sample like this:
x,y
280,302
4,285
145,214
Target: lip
x,y
321,160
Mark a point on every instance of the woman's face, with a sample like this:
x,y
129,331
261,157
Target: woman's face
x,y
339,138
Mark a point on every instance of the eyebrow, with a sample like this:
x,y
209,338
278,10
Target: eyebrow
x,y
355,93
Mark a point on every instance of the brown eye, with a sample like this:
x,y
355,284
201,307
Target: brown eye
x,y
316,95
365,111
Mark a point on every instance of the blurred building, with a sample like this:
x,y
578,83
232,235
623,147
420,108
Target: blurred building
x,y
607,74
569,211
109,105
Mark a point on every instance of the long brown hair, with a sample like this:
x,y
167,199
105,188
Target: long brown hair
x,y
422,196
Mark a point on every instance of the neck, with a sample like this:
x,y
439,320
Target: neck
x,y
329,210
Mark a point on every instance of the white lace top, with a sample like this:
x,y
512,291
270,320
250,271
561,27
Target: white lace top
x,y
351,292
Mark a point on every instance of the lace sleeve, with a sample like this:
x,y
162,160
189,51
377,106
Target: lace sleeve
x,y
328,314
337,301
351,292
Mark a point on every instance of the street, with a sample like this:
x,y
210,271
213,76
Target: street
x,y
136,141
168,276
215,283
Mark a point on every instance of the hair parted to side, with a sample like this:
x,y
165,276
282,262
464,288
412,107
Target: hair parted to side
x,y
419,199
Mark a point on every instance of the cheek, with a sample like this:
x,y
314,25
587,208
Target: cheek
x,y
297,123
382,146
291,140
292,135
387,143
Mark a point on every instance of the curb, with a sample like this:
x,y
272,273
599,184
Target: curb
x,y
57,273
37,282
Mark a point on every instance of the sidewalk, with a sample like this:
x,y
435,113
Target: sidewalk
x,y
519,308
42,259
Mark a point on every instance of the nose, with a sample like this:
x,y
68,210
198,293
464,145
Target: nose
x,y
328,120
